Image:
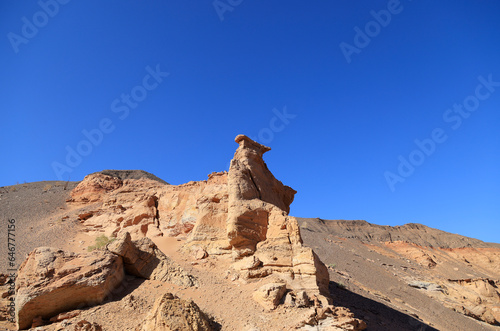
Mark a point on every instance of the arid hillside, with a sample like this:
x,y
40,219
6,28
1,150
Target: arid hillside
x,y
442,280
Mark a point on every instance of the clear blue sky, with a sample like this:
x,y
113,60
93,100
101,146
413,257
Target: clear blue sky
x,y
339,89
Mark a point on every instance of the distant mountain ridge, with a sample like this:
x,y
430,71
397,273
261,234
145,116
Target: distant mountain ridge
x,y
413,233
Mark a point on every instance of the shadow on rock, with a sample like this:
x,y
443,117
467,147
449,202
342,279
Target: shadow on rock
x,y
377,316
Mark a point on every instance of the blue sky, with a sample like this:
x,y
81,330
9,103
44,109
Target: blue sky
x,y
386,111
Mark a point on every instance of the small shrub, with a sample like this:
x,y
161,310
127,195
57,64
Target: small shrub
x,y
332,265
341,285
47,187
100,243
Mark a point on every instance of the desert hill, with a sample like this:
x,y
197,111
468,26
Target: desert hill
x,y
444,280
131,174
223,254
413,233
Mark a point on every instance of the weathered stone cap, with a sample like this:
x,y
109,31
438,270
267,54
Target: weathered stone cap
x,y
246,142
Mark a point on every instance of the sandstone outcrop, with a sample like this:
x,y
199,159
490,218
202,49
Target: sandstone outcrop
x,y
52,281
146,207
142,258
258,224
478,298
243,213
250,178
6,295
95,186
197,210
171,313
130,208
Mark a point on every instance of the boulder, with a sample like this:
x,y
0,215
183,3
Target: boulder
x,y
143,259
51,281
269,295
289,300
301,299
247,263
172,313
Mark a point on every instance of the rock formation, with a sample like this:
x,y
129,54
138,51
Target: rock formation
x,y
145,207
234,233
258,224
94,186
254,194
52,281
243,212
84,325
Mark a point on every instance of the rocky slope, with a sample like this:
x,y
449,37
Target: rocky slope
x,y
442,280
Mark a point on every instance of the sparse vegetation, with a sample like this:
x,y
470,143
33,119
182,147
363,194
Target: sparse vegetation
x,y
47,187
100,243
341,285
60,220
332,265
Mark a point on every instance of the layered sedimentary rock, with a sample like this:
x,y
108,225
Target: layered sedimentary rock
x,y
258,224
197,210
254,194
456,272
52,281
145,207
